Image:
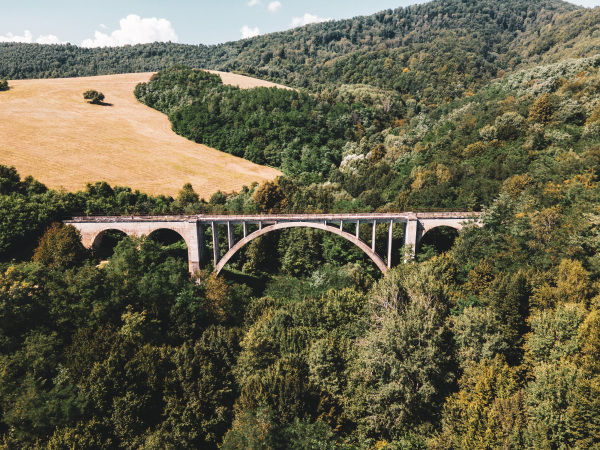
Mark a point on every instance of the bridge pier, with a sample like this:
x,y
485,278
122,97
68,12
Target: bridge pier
x,y
230,235
196,248
412,236
215,240
390,237
374,235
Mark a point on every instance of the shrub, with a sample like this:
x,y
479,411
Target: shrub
x,y
93,96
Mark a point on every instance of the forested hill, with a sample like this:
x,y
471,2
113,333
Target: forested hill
x,y
451,44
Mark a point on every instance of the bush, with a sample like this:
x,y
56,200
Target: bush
x,y
93,96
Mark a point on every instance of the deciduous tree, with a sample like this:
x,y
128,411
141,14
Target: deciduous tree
x,y
93,96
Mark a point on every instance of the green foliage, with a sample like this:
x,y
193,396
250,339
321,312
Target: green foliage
x,y
301,251
60,246
542,110
400,376
487,412
187,196
478,336
4,85
277,127
93,96
269,197
398,113
258,430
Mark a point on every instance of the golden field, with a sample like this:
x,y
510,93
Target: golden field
x,y
48,131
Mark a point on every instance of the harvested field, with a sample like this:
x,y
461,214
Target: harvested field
x,y
48,131
244,82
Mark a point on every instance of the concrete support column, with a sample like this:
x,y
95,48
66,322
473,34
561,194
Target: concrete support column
x,y
358,229
87,239
374,235
230,235
390,237
196,246
412,236
245,226
259,225
215,239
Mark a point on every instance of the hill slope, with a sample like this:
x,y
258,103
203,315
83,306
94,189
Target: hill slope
x,y
48,131
449,45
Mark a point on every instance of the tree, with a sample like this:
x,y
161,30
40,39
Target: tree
x,y
93,96
4,85
542,110
187,195
269,197
60,246
403,367
487,412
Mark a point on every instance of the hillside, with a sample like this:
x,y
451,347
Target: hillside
x,y
450,46
48,131
487,337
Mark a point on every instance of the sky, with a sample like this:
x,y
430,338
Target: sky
x,y
119,22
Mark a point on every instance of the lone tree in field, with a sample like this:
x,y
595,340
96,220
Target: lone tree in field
x,y
93,96
4,85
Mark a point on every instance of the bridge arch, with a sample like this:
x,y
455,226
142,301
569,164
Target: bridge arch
x,y
104,241
379,262
429,224
441,238
93,232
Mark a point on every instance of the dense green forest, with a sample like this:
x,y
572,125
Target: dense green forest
x,y
440,49
493,343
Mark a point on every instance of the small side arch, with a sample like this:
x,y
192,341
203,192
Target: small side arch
x,y
97,239
457,225
319,226
104,242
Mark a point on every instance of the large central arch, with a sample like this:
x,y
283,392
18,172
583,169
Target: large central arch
x,y
319,226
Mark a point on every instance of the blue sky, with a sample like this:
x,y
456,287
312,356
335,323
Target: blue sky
x,y
119,22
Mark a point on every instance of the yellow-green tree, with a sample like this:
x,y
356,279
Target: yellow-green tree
x,y
542,110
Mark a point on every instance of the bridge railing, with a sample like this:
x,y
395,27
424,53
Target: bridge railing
x,y
175,214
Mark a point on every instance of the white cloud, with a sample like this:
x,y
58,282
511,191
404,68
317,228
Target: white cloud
x,y
103,26
134,30
306,19
248,32
274,6
254,2
49,39
586,3
27,38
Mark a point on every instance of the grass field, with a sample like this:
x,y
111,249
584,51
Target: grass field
x,y
48,131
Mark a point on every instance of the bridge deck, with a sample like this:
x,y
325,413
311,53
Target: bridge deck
x,y
224,218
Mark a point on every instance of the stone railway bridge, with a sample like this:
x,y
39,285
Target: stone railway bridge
x,y
192,228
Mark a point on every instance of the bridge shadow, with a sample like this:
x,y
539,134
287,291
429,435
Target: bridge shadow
x,y
172,242
104,246
435,242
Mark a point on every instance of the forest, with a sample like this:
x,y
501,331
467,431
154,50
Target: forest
x,y
490,338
